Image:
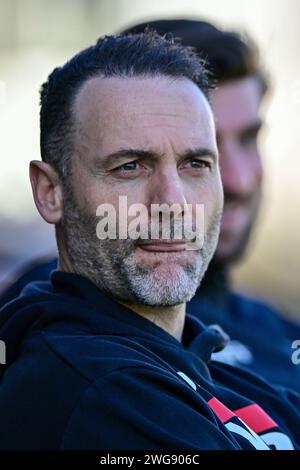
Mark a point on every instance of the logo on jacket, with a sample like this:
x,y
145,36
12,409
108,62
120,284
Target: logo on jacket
x,y
254,424
250,422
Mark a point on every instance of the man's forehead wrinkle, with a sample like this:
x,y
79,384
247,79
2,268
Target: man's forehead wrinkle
x,y
160,125
166,113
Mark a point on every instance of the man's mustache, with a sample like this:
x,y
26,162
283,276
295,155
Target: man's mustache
x,y
178,231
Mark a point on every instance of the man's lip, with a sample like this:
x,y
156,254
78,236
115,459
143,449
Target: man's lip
x,y
163,245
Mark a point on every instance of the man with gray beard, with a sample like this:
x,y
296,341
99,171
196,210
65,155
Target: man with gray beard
x,y
115,267
103,356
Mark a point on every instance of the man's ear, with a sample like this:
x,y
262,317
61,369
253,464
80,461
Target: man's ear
x,y
47,191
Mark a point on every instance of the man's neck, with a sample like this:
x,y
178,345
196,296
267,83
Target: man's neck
x,y
64,263
170,319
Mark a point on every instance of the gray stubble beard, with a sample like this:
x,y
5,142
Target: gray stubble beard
x,y
112,265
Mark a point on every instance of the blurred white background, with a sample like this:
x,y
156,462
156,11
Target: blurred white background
x,y
37,35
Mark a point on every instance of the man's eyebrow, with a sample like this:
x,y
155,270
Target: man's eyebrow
x,y
120,154
128,153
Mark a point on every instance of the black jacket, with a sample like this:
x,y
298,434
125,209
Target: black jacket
x,y
84,372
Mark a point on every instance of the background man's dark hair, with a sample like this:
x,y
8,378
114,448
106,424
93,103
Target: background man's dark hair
x,y
129,55
228,55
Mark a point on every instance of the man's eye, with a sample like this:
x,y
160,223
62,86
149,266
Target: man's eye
x,y
129,166
131,169
198,164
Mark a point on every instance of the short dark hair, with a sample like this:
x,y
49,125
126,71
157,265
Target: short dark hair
x,y
228,54
124,55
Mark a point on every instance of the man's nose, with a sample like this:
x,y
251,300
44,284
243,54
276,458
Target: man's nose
x,y
167,188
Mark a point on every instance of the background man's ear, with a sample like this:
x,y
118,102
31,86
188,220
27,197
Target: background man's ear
x,y
47,191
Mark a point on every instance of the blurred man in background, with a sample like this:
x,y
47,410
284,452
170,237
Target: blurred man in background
x,y
260,338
